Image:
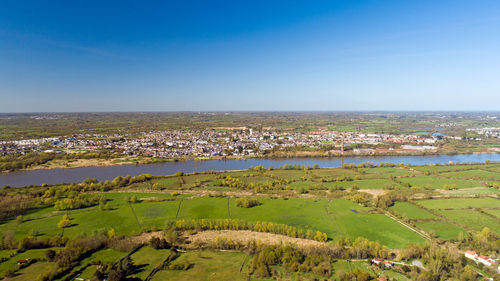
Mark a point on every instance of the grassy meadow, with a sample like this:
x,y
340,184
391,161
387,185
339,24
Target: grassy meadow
x,y
334,217
441,202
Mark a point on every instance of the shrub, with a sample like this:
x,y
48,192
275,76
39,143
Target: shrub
x,y
247,202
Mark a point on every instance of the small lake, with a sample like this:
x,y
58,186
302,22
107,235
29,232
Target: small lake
x,y
55,176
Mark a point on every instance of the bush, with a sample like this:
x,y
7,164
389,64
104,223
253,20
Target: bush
x,y
157,243
50,255
247,202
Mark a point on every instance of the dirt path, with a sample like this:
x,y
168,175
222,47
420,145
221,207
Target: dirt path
x,y
198,192
145,237
242,236
374,192
407,226
237,236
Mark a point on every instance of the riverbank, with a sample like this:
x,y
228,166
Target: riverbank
x,y
103,173
280,155
94,162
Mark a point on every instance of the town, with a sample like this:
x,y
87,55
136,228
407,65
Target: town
x,y
249,140
236,142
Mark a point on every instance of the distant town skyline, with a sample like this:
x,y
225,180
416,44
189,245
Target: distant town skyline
x,y
90,56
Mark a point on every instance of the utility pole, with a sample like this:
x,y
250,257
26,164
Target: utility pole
x,y
342,145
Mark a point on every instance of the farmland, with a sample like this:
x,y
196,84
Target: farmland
x,y
472,219
16,126
460,203
334,207
208,265
333,217
452,216
411,211
441,229
347,266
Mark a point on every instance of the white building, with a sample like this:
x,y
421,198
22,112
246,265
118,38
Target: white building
x,y
472,255
486,260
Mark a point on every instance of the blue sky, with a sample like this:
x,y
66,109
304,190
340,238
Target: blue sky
x,y
249,55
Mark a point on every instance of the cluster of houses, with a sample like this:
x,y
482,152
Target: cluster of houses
x,y
382,262
489,132
486,260
212,142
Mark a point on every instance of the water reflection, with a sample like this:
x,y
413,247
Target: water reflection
x,y
37,177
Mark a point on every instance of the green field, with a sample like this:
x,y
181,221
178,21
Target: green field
x,y
460,203
473,174
349,266
470,191
462,211
472,219
446,168
443,230
302,198
208,265
146,259
335,217
411,211
121,217
495,212
440,182
386,172
369,184
31,271
204,208
104,256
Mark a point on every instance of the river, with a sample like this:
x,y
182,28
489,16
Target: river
x,y
55,176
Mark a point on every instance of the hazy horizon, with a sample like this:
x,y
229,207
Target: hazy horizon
x,y
265,111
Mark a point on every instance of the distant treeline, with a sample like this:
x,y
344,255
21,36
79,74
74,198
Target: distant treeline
x,y
17,161
38,125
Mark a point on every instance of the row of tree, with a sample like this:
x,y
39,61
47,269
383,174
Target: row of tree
x,y
14,162
233,224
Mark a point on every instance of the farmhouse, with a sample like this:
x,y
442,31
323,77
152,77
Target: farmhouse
x,y
472,255
21,262
383,262
486,260
381,278
388,263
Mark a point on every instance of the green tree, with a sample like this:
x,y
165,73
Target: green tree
x,y
19,219
64,222
111,233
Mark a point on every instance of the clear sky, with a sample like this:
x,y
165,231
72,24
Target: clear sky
x,y
249,55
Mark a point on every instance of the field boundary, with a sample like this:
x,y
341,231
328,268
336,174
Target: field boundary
x,y
178,208
173,255
243,263
332,217
425,236
136,217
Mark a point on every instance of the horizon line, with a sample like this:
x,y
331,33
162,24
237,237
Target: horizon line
x,y
260,111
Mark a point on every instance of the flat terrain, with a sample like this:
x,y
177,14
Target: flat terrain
x,y
209,266
349,266
461,203
334,217
441,229
411,211
338,202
